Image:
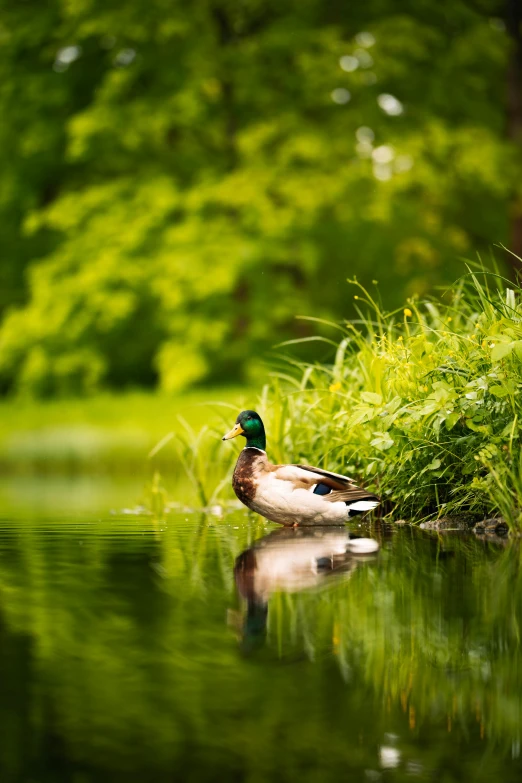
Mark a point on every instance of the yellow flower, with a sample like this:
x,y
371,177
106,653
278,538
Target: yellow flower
x,y
407,312
335,387
449,320
356,297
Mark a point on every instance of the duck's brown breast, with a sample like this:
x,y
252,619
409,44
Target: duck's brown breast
x,y
243,481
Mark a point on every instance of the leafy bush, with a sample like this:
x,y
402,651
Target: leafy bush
x,y
424,403
176,186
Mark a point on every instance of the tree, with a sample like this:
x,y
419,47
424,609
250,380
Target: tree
x,y
221,168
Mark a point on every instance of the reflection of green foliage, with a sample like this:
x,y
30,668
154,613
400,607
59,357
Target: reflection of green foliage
x,y
434,628
118,631
187,184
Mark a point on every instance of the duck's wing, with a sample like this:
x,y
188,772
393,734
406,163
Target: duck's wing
x,y
326,475
352,495
304,476
332,486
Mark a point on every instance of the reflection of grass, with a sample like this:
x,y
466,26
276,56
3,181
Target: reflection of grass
x,y
433,628
134,664
107,431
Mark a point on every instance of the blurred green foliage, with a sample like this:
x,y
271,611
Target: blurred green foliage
x,y
112,433
179,181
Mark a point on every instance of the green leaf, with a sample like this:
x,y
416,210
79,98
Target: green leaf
x,y
501,351
382,441
393,405
509,430
484,428
361,414
371,398
430,407
452,420
517,347
499,391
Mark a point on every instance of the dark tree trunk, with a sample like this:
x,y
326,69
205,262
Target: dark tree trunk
x,y
227,37
514,119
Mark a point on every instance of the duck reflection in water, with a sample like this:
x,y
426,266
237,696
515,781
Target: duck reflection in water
x,y
291,560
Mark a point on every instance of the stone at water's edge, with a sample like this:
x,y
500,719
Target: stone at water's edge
x,y
496,525
448,523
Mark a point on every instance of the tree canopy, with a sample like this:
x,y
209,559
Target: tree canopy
x,y
179,181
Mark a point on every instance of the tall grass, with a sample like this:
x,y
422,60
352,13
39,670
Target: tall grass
x,y
423,404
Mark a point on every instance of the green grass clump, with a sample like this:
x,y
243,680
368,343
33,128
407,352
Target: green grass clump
x,y
423,403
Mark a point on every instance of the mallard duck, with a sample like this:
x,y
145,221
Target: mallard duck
x,y
291,494
289,560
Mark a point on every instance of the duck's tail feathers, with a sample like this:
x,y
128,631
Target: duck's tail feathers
x,y
360,506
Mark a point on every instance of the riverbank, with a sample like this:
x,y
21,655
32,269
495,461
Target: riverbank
x,y
423,404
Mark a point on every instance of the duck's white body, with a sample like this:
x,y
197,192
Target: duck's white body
x,y
290,564
285,493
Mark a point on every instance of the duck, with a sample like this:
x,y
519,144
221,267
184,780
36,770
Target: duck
x,y
290,560
291,495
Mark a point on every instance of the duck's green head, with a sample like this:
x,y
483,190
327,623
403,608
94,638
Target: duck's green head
x,y
249,424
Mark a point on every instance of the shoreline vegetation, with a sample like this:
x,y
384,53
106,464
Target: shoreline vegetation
x,y
422,404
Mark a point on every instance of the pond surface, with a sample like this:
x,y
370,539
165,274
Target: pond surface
x,y
200,648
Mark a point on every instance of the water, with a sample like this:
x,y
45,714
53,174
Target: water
x,y
199,648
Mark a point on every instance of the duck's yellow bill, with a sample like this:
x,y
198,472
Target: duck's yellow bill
x,y
236,430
